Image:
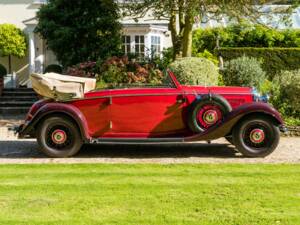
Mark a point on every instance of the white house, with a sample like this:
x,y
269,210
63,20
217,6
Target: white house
x,y
145,37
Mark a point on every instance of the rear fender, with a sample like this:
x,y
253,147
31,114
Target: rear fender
x,y
225,127
57,109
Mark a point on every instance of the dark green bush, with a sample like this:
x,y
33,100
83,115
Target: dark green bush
x,y
3,71
54,68
195,71
274,60
244,71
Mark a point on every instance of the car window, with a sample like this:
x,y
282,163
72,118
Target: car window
x,y
164,81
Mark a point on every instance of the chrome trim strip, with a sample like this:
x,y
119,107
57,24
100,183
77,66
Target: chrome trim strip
x,y
134,140
142,95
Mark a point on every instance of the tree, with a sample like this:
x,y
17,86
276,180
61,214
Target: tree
x,y
80,31
12,42
183,13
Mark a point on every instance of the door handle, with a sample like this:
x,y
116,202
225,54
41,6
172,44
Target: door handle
x,y
181,100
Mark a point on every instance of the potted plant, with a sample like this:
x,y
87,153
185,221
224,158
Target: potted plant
x,y
3,72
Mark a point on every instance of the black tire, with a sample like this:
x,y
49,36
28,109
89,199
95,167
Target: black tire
x,y
201,102
68,130
243,137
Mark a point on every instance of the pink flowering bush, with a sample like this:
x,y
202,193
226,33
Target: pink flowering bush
x,y
85,69
118,71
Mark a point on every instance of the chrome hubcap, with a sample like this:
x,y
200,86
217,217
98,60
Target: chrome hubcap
x,y
210,117
59,136
257,136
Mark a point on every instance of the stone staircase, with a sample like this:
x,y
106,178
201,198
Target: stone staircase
x,y
16,101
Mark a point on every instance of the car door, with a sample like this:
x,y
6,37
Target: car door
x,y
96,109
147,112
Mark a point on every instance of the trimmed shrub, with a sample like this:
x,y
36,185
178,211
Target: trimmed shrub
x,y
54,68
195,71
244,35
244,71
274,60
3,71
285,93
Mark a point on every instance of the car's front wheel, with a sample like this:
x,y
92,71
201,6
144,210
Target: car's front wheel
x,y
256,136
59,137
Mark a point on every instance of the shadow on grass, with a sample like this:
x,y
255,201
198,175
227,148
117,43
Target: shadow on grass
x,y
30,149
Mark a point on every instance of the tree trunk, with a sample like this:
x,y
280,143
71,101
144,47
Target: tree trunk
x,y
187,39
9,64
172,28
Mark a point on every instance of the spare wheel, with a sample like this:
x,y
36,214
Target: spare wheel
x,y
206,111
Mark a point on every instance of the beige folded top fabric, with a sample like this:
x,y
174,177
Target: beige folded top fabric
x,y
61,87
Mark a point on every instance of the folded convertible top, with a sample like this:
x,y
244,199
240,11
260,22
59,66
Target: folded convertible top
x,y
61,87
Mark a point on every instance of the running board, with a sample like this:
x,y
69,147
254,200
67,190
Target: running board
x,y
134,140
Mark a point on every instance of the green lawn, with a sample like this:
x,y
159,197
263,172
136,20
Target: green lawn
x,y
150,194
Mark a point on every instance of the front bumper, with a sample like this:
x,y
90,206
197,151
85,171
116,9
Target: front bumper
x,y
283,129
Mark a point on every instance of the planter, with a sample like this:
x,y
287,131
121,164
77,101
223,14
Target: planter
x,y
1,84
293,131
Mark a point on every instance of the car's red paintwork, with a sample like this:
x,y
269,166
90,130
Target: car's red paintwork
x,y
148,112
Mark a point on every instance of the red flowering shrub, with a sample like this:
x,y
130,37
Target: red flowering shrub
x,y
117,71
85,69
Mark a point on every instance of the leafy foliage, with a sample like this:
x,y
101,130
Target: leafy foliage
x,y
3,71
12,41
244,35
85,69
285,93
182,15
195,71
273,60
116,71
244,71
80,31
54,68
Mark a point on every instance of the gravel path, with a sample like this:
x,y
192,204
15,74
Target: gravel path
x,y
27,151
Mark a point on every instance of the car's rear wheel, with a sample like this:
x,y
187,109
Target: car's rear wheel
x,y
256,136
206,112
59,137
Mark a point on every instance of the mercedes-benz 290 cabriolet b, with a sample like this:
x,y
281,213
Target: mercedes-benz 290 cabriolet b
x,y
167,113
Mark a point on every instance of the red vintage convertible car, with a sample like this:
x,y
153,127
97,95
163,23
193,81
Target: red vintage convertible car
x,y
168,113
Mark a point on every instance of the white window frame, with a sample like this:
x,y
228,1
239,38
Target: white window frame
x,y
139,45
156,45
126,46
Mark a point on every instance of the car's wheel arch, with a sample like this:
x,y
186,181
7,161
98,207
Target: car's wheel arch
x,y
73,115
256,114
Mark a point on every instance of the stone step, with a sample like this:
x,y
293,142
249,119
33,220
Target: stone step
x,y
13,110
18,93
18,89
18,98
16,104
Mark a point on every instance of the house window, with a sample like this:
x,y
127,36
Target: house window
x,y
140,46
155,46
126,44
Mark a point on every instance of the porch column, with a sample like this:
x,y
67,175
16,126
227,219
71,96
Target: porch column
x,y
31,52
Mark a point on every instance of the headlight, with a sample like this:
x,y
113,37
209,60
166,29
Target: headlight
x,y
257,97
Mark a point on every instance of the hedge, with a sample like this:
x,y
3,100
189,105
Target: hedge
x,y
274,60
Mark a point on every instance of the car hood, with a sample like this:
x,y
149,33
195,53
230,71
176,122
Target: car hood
x,y
219,90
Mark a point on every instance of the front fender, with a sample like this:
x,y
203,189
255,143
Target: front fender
x,y
57,108
223,128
